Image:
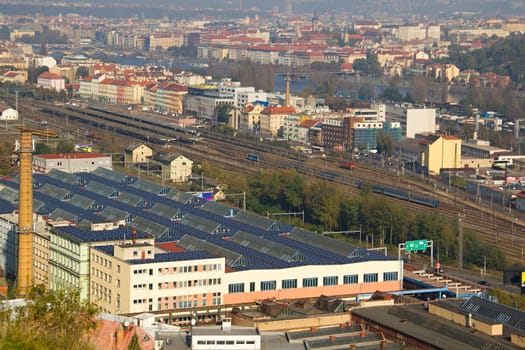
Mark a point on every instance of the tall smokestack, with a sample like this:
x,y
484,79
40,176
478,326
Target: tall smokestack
x,y
25,217
287,90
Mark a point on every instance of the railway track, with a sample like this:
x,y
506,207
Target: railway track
x,y
230,152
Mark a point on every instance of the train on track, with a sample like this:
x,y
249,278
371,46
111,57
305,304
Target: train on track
x,y
401,194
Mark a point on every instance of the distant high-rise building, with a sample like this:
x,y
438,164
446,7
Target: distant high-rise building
x,y
315,22
289,7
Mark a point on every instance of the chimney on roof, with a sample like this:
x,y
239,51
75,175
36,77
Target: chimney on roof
x,y
287,90
134,235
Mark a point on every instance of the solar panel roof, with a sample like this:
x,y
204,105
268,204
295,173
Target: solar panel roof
x,y
54,191
151,187
111,213
68,178
81,202
495,312
130,199
111,175
78,235
254,220
166,211
9,194
204,223
200,223
219,209
330,244
151,227
279,251
61,214
180,196
101,189
233,259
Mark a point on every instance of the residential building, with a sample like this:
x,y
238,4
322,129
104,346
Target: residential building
x,y
9,241
70,258
137,154
442,71
174,167
310,132
272,120
420,121
168,97
145,280
291,126
364,134
421,31
242,94
71,162
440,152
202,101
250,116
51,81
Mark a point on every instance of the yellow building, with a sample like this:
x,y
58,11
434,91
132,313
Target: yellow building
x,y
440,152
137,154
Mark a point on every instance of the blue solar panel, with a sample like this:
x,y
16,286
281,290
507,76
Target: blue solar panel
x,y
256,259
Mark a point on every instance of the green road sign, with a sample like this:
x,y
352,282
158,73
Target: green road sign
x,y
413,246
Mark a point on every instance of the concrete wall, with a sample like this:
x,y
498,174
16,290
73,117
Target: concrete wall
x,y
304,322
462,319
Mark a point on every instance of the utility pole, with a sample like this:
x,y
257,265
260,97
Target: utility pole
x,y
460,241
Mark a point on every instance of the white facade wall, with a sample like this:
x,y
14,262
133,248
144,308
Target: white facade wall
x,y
9,114
71,164
419,121
314,271
154,286
180,169
52,84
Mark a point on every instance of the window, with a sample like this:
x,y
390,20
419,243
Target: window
x,y
288,284
350,279
330,281
236,288
252,286
268,285
370,277
310,282
390,276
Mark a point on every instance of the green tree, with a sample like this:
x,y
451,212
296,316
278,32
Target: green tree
x,y
223,113
49,320
384,143
42,148
82,72
65,147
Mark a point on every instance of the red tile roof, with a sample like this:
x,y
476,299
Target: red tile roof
x,y
50,76
278,110
72,155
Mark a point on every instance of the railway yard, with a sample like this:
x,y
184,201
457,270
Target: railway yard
x,y
492,225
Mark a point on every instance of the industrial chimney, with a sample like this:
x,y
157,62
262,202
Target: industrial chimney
x,y
25,217
287,90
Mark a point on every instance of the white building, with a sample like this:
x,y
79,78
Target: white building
x,y
243,94
51,81
419,32
9,114
71,162
174,167
420,121
225,337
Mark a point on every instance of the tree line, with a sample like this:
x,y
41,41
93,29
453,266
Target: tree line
x,y
330,207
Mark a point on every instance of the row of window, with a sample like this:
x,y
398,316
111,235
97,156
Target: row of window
x,y
190,283
225,342
313,282
102,261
